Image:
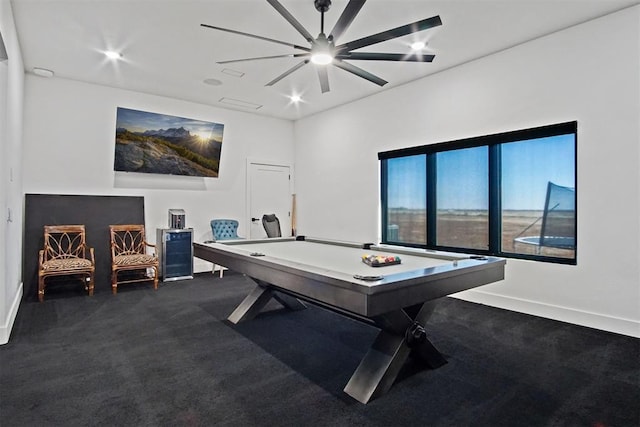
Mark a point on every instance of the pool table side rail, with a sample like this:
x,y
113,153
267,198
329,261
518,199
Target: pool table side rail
x,y
343,291
389,282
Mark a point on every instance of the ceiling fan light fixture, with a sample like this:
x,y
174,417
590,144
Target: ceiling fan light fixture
x,y
321,51
322,58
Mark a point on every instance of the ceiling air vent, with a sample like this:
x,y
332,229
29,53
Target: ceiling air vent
x,y
239,103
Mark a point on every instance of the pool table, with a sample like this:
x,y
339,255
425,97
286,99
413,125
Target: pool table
x,y
396,297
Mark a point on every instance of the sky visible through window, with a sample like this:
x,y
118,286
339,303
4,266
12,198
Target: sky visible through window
x,y
527,167
531,165
463,179
407,182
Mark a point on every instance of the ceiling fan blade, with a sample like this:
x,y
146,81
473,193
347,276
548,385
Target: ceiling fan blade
x,y
403,30
370,56
346,18
286,73
324,78
359,72
257,37
293,21
291,55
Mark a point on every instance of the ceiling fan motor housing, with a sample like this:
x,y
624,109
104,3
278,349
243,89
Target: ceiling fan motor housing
x,y
322,5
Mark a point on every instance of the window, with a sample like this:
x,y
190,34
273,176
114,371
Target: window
x,y
510,194
462,188
406,200
545,168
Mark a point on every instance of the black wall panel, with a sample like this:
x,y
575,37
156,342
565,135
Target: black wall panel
x,y
95,212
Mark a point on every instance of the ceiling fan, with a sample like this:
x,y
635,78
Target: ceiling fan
x,y
324,51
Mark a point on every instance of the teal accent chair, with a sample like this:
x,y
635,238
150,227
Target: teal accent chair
x,y
223,229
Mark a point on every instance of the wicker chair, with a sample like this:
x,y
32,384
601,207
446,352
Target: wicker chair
x,y
129,254
65,254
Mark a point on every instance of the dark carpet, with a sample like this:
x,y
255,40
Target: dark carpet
x,y
169,358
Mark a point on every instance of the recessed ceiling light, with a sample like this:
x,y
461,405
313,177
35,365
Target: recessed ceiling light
x,y
212,82
113,55
295,98
42,72
418,45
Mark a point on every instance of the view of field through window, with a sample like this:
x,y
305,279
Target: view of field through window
x,y
527,169
537,197
407,196
463,198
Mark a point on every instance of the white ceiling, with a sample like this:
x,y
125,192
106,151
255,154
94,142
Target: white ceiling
x,y
166,51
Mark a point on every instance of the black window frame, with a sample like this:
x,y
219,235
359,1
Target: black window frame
x,y
494,143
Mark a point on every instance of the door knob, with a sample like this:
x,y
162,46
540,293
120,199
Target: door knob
x,y
255,219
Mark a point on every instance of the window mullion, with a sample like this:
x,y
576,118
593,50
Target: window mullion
x,y
432,210
384,193
495,199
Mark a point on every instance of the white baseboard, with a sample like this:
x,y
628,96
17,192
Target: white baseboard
x,y
564,314
5,330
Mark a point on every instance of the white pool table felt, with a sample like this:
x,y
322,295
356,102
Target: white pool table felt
x,y
336,258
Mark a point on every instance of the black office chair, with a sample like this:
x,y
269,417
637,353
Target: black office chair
x,y
271,225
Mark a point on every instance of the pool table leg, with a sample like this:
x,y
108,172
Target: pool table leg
x,y
258,298
251,305
379,368
288,301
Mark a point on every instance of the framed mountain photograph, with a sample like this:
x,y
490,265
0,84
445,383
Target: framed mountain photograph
x,y
162,144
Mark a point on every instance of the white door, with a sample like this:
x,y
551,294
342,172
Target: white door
x,y
269,193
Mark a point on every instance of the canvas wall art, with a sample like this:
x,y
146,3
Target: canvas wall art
x,y
162,144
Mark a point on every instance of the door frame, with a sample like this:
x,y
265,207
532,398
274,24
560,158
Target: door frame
x,y
257,161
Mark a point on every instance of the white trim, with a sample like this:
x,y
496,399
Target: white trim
x,y
5,330
564,314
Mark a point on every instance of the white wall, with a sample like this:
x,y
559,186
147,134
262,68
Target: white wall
x,y
69,142
11,103
589,73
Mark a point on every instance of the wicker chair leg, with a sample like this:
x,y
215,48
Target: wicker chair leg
x,y
41,289
114,282
155,278
91,285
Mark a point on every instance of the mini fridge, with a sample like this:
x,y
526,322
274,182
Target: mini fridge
x,y
175,253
